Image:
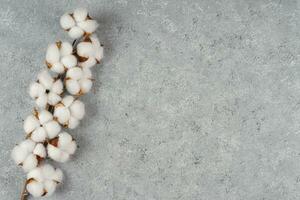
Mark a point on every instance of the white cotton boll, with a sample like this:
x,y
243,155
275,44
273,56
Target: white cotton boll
x,y
85,85
40,150
64,139
60,149
29,163
77,109
39,135
85,49
69,61
71,147
47,171
52,55
42,101
57,176
45,79
73,123
68,100
72,87
74,73
80,14
89,63
35,188
30,124
76,32
52,128
50,187
44,116
18,154
62,114
53,152
53,98
57,87
87,73
36,90
66,21
58,68
99,54
66,49
88,26
36,174
27,145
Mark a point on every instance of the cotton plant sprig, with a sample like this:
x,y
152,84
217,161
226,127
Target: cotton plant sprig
x,y
56,94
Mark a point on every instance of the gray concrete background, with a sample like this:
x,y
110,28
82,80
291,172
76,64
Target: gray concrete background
x,y
195,100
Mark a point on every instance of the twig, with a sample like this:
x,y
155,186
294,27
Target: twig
x,y
24,193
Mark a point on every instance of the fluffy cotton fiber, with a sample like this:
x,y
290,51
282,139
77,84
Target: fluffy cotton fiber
x,y
78,23
69,112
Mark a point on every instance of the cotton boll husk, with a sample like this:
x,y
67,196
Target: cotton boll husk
x,y
74,73
52,128
42,101
73,123
58,67
30,123
45,79
39,135
52,55
69,61
40,150
85,49
75,32
29,163
72,87
68,100
53,98
36,90
62,114
35,188
90,62
85,85
88,26
77,109
80,14
66,49
44,116
66,21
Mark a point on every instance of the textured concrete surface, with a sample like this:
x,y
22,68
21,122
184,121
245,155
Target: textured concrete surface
x,y
195,100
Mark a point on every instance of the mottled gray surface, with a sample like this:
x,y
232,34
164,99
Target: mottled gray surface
x,y
195,100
